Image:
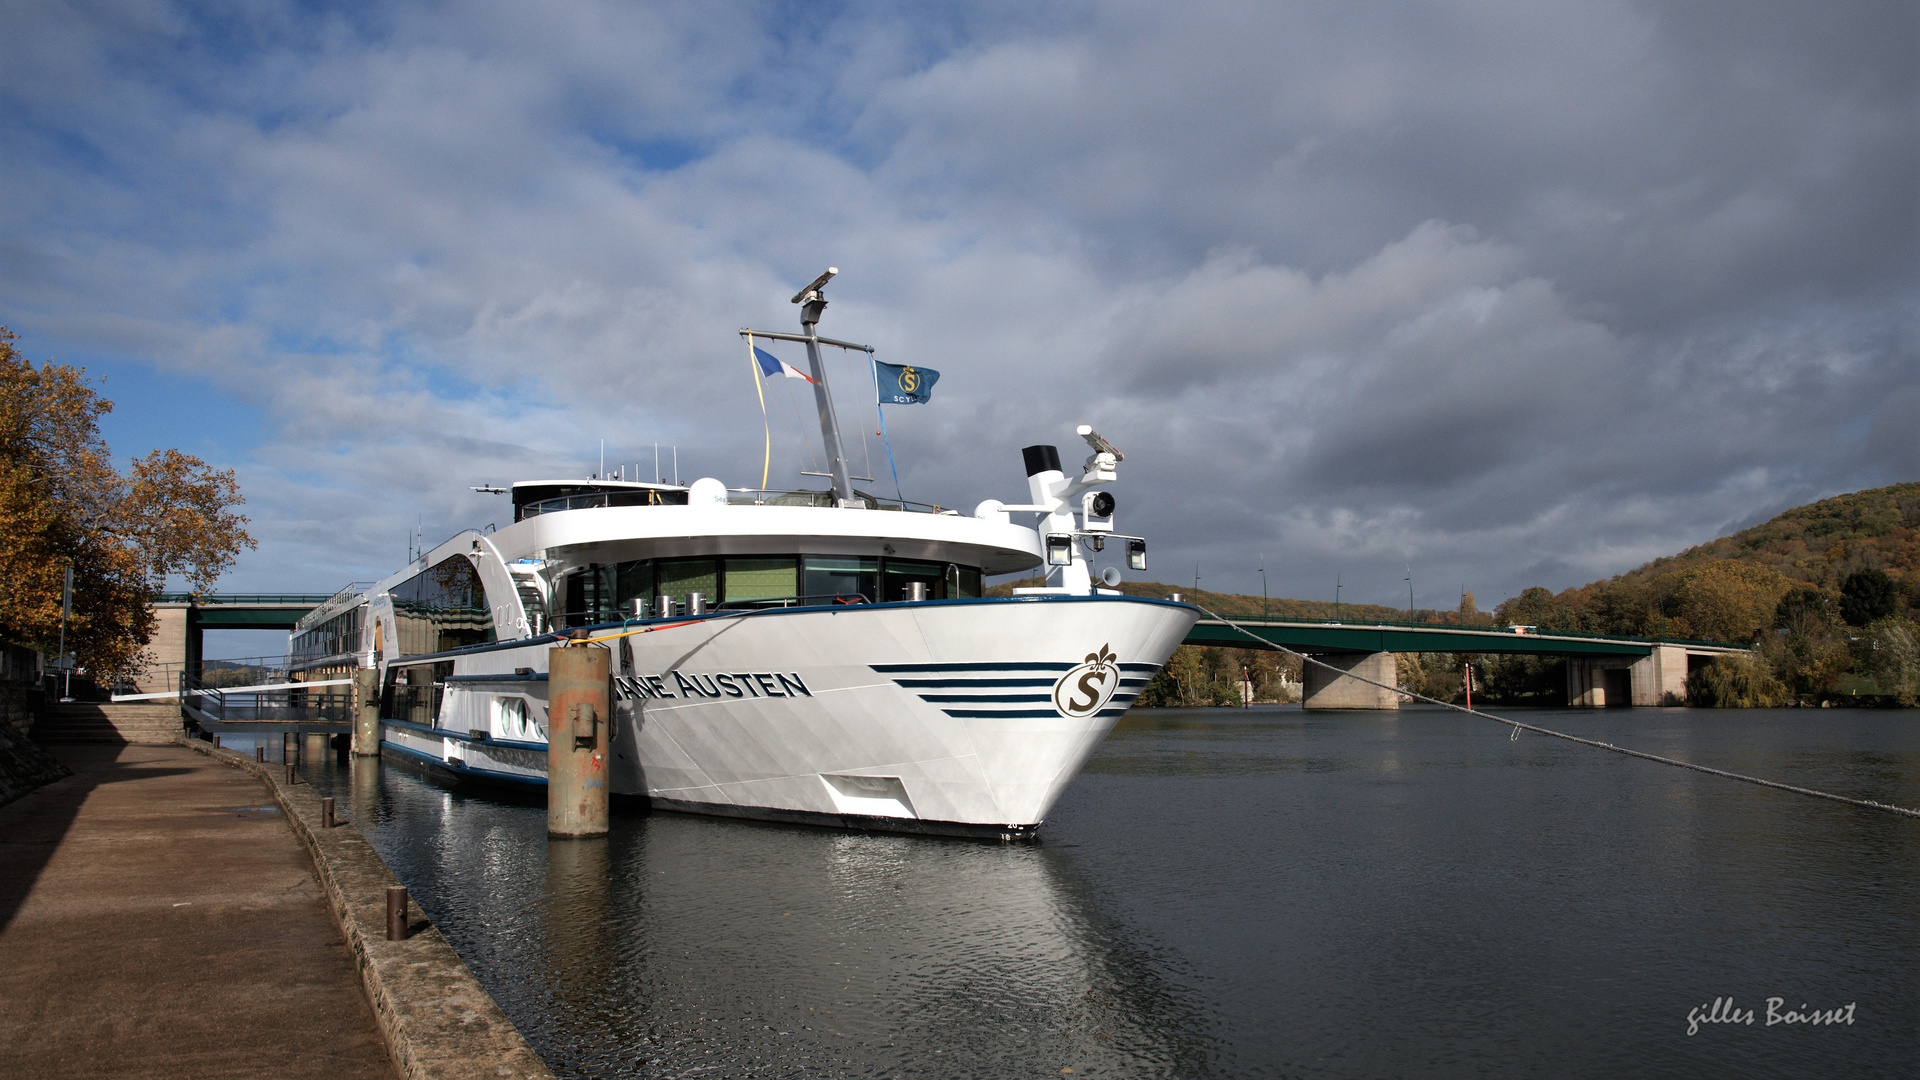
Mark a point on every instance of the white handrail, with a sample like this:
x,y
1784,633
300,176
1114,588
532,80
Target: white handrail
x,y
236,689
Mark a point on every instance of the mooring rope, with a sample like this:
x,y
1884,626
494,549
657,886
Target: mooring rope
x,y
1518,727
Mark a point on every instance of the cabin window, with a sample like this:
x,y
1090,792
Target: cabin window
x,y
829,576
762,579
902,572
442,608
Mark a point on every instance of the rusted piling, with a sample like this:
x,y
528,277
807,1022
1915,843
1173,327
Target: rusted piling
x,y
577,736
366,713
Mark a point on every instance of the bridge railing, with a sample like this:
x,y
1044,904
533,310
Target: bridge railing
x,y
284,599
1474,628
290,704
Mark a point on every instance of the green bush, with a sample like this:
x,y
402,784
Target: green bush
x,y
1735,682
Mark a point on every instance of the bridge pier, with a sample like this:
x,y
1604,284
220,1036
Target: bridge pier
x,y
1323,689
1617,681
1599,682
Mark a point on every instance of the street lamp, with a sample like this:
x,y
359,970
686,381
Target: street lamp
x,y
1263,588
65,661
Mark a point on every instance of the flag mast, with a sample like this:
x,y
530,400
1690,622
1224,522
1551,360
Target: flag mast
x,y
812,303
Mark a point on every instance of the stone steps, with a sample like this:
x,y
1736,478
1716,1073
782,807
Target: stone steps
x,y
91,723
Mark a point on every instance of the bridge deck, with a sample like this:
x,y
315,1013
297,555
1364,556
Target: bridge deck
x,y
1310,635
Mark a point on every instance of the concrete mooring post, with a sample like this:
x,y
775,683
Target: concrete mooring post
x,y
366,713
577,719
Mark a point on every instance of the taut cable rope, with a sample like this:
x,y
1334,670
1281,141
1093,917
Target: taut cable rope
x,y
1518,727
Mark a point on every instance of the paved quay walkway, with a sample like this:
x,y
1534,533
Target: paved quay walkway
x,y
158,919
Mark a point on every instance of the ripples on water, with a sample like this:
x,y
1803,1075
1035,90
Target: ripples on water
x,y
1228,892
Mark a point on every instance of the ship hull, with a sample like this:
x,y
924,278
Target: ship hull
x,y
961,717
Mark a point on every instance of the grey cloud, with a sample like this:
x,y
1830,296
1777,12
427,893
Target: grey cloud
x,y
1506,292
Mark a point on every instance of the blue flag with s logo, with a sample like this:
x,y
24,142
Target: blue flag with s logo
x,y
901,384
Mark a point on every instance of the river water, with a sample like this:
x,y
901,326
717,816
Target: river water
x,y
1225,892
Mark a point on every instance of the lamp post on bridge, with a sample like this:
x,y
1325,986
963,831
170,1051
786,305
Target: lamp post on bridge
x,y
1263,588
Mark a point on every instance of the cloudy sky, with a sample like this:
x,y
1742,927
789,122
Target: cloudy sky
x,y
1510,293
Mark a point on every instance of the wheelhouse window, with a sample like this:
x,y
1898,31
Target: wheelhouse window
x,y
442,608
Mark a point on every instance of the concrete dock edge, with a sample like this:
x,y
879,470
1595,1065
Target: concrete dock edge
x,y
437,1019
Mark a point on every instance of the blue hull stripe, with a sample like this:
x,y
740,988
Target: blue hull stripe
x,y
911,669
955,684
1021,714
1033,698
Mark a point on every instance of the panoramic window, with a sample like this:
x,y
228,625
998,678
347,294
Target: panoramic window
x,y
442,608
605,594
338,635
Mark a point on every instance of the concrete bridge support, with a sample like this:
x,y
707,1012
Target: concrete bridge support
x,y
1324,689
1661,679
1598,682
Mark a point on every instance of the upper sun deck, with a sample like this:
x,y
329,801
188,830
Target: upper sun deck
x,y
610,521
531,497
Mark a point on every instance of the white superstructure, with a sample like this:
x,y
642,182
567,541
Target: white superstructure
x,y
817,656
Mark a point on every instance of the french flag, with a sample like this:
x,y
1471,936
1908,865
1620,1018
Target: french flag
x,y
771,365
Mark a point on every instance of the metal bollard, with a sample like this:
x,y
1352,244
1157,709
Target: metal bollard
x,y
260,754
216,742
578,716
292,776
396,913
326,813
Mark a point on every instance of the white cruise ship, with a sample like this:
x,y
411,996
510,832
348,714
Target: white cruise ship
x,y
821,656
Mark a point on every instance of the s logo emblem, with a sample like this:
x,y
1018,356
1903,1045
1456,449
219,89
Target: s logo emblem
x,y
1088,687
909,380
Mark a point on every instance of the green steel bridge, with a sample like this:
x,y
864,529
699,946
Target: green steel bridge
x,y
1602,669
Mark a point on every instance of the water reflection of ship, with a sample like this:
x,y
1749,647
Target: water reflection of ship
x,y
742,946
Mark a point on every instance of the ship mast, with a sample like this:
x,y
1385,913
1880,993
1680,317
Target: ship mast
x,y
812,303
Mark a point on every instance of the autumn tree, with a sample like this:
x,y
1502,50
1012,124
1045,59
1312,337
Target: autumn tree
x,y
64,503
1868,595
